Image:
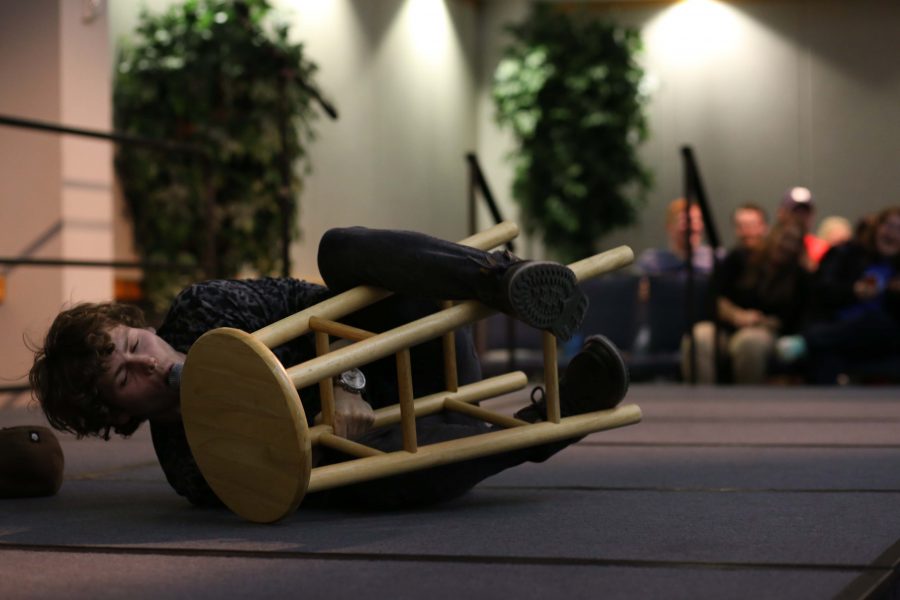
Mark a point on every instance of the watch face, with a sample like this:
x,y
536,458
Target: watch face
x,y
353,379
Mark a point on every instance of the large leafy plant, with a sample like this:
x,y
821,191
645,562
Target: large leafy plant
x,y
216,74
569,89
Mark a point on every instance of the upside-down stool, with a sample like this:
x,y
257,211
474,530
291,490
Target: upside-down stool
x,y
248,432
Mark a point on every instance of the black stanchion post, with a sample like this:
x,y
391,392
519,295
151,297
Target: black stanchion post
x,y
473,225
689,288
694,183
284,193
208,198
481,182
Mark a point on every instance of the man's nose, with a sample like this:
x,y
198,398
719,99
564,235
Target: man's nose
x,y
143,361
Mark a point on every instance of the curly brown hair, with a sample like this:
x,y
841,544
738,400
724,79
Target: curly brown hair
x,y
867,235
776,281
66,371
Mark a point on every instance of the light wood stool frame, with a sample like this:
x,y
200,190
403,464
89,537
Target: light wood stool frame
x,y
248,432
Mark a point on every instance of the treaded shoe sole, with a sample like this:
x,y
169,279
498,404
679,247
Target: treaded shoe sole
x,y
546,295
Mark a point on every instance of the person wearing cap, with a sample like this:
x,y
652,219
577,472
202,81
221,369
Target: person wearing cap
x,y
798,204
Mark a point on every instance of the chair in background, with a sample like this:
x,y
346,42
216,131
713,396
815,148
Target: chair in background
x,y
613,309
666,323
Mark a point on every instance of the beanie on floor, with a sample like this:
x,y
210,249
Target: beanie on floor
x,y
31,462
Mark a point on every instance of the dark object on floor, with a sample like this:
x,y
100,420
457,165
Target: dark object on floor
x,y
596,379
31,462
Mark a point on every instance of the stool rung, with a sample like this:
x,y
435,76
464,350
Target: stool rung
x,y
484,415
347,446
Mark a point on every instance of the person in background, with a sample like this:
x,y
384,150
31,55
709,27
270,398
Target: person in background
x,y
673,258
762,293
751,224
835,230
798,204
671,263
857,289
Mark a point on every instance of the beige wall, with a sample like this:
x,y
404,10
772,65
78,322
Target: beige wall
x,y
798,92
54,191
86,164
770,94
402,76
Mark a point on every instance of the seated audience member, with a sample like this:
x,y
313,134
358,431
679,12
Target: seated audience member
x,y
673,258
798,204
863,226
762,294
857,289
671,261
835,230
751,224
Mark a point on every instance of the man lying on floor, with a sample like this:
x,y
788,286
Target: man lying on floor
x,y
101,369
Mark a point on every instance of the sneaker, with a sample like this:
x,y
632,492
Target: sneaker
x,y
790,348
596,379
544,295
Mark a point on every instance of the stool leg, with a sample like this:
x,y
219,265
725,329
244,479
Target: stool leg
x,y
326,386
551,378
350,301
432,326
451,379
407,404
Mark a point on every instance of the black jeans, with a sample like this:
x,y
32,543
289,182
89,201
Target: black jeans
x,y
420,269
836,345
410,263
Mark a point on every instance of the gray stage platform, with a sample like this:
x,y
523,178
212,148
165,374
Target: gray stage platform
x,y
719,493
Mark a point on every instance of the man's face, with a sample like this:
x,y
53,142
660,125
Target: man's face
x,y
133,382
749,228
678,225
802,213
887,237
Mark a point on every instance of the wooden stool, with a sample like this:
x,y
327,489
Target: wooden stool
x,y
248,432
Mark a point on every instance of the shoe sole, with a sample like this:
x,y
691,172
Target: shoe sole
x,y
546,295
609,355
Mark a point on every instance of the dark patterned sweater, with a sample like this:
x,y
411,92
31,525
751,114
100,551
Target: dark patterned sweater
x,y
248,305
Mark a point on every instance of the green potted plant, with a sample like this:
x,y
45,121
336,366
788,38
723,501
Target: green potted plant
x,y
216,74
568,86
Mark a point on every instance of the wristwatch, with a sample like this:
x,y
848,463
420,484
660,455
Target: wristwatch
x,y
352,380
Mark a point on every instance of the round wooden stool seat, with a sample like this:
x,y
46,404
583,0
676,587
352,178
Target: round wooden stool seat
x,y
245,425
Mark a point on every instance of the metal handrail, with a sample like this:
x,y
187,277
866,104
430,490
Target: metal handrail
x,y
113,264
113,136
478,183
118,138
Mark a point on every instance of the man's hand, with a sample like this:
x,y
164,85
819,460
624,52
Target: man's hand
x,y
748,317
866,287
352,415
893,285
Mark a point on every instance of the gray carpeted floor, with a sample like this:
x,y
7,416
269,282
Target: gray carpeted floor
x,y
719,493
